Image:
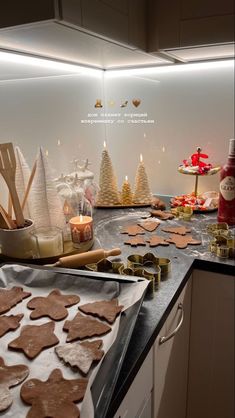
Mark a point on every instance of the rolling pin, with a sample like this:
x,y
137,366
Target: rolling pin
x,y
79,260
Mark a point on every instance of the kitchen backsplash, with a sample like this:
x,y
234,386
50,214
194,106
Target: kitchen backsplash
x,y
163,116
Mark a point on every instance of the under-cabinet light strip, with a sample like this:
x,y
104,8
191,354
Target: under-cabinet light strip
x,y
173,68
17,58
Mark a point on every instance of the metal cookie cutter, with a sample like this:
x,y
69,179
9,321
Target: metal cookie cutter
x,y
149,260
222,243
183,212
106,266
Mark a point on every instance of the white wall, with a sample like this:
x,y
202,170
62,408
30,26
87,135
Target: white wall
x,y
189,108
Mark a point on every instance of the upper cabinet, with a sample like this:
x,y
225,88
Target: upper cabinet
x,y
122,21
183,23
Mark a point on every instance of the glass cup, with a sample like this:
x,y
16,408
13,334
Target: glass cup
x,y
49,241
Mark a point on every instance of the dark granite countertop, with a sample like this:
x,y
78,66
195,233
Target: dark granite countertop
x,y
155,309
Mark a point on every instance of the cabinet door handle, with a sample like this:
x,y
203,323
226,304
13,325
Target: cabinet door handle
x,y
168,337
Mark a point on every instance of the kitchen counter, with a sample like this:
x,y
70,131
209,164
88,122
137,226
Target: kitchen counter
x,y
155,308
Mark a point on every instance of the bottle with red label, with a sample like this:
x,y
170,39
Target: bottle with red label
x,y
226,210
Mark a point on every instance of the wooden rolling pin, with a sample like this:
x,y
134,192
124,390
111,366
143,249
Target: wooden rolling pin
x,y
79,260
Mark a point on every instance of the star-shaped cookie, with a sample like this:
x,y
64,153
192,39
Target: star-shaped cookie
x,y
81,327
54,397
132,230
35,338
181,241
180,230
157,240
81,355
104,309
10,298
10,376
52,305
9,323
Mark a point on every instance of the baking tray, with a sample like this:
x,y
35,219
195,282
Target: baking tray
x,y
104,384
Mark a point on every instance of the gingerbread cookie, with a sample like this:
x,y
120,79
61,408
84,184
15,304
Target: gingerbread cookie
x,y
132,230
35,338
161,214
157,240
181,241
81,355
181,230
104,309
9,323
10,376
54,397
158,204
10,298
135,241
81,327
149,226
52,305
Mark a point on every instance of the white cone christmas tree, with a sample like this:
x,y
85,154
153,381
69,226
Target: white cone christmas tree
x,y
108,193
126,193
21,179
45,204
142,194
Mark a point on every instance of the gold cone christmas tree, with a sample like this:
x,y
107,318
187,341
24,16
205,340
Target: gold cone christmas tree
x,y
108,193
142,192
126,193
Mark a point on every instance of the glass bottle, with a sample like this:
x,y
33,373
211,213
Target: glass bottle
x,y
226,210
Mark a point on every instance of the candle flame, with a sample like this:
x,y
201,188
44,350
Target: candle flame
x,y
141,158
80,218
163,149
105,145
47,153
126,178
58,142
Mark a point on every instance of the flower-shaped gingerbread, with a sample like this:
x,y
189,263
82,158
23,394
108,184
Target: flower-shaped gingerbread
x,y
53,305
55,397
10,376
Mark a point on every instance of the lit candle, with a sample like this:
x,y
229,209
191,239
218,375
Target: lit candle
x,y
141,158
105,145
126,192
82,231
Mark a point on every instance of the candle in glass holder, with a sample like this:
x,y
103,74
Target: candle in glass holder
x,y
49,241
82,231
126,192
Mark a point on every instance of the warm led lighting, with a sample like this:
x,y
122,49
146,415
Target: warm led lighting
x,y
126,178
105,145
46,63
173,68
141,158
80,218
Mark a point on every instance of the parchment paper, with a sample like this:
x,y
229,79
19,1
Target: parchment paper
x,y
40,283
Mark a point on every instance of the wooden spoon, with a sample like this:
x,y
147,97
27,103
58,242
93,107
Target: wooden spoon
x,y
8,171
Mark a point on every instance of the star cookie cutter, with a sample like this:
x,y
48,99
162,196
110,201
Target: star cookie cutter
x,y
106,266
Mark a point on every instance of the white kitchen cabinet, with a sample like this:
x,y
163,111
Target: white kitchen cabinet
x,y
138,400
171,360
211,360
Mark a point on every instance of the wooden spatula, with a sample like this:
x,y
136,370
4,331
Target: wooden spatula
x,y
8,171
